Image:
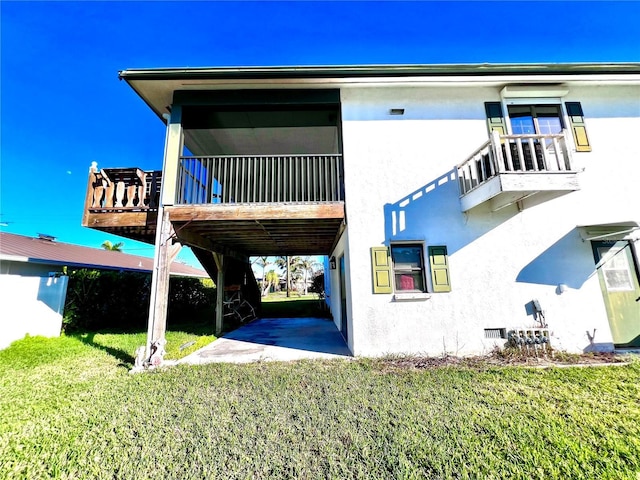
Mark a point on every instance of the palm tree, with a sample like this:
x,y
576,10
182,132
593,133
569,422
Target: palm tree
x,y
114,247
262,262
271,278
306,264
286,263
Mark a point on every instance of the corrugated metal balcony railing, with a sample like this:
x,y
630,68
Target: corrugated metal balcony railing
x,y
260,179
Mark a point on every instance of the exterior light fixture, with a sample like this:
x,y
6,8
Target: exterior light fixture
x,y
332,263
396,111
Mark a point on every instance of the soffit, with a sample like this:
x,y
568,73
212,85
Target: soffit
x,y
156,86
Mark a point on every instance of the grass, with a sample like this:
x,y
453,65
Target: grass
x,y
70,410
293,296
123,345
278,305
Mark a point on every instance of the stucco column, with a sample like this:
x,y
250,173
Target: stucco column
x,y
173,149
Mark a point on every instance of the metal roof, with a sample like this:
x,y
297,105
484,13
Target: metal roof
x,y
35,250
355,71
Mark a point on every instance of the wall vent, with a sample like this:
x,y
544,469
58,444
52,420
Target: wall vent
x,y
495,333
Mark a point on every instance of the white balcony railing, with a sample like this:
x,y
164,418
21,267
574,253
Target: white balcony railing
x,y
515,154
260,179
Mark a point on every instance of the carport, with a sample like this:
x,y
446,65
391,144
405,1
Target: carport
x,y
275,339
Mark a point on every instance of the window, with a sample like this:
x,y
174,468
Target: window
x,y
533,120
616,268
538,119
408,268
405,263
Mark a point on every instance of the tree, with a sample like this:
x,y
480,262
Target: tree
x,y
306,265
262,262
114,247
285,262
271,278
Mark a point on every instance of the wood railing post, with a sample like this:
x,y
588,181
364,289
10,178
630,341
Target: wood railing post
x,y
496,146
557,152
89,198
520,150
568,161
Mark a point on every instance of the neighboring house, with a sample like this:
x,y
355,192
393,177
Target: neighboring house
x,y
33,280
456,203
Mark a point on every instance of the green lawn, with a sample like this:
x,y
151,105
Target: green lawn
x,y
69,409
278,305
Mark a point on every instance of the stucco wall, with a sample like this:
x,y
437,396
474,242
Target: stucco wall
x,y
334,280
32,302
400,185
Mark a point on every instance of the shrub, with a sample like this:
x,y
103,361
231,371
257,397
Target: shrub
x,y
317,284
98,299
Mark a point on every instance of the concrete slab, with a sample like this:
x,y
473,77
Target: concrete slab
x,y
275,339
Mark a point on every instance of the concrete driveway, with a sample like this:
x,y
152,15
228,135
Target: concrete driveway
x,y
276,339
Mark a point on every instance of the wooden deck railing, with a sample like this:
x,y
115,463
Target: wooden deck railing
x,y
515,154
260,179
114,189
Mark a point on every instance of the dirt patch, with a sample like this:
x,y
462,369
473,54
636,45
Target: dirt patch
x,y
505,358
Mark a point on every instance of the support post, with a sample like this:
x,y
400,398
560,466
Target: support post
x,y
159,282
172,151
219,259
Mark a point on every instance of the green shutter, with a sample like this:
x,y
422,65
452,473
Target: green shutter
x,y
439,264
495,118
576,118
381,270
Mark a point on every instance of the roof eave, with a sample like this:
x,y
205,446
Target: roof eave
x,y
381,71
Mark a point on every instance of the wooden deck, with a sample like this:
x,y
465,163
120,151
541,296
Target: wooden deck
x,y
125,202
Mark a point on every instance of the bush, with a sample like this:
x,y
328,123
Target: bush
x,y
317,285
98,299
191,299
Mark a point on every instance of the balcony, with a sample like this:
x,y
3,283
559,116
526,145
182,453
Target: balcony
x,y
517,168
249,204
260,179
123,201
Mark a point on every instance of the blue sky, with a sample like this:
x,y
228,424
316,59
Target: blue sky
x,y
62,106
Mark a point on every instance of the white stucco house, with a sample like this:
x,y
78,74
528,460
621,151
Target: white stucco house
x,y
34,280
455,203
